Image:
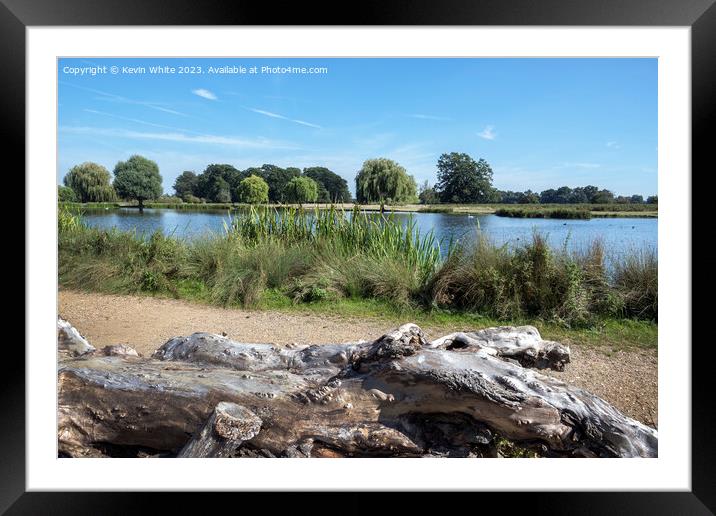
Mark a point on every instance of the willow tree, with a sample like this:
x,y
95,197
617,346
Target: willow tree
x,y
300,190
90,183
138,179
253,190
383,180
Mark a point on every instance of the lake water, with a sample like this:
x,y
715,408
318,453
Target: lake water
x,y
618,234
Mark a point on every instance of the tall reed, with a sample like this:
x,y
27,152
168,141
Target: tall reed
x,y
325,254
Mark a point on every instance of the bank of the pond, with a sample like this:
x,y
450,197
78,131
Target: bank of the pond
x,y
595,210
328,257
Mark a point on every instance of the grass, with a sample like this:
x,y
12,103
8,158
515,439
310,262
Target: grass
x,y
607,333
356,266
79,205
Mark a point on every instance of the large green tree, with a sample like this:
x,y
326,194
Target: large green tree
x,y
90,182
276,177
185,185
603,197
138,179
383,180
219,183
461,179
253,190
335,187
300,190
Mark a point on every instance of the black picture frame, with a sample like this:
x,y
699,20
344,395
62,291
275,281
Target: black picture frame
x,y
700,15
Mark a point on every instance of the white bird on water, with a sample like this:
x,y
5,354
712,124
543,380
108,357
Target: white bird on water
x,y
470,217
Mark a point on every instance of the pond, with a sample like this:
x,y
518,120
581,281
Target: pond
x,y
618,234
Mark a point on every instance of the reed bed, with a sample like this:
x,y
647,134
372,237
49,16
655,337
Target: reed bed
x,y
545,213
322,255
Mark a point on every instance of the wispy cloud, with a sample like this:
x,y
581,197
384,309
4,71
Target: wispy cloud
x,y
138,121
111,97
180,137
488,133
580,165
282,117
206,94
613,145
429,117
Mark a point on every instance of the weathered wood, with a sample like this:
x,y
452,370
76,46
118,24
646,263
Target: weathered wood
x,y
228,426
523,344
119,350
70,341
398,396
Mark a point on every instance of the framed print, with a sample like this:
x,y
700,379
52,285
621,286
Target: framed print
x,y
425,233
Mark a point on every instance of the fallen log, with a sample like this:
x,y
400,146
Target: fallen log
x,y
399,396
228,426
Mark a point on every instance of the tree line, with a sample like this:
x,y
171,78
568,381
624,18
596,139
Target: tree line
x,y
138,179
460,180
267,183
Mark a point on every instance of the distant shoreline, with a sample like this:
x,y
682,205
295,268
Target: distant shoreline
x,y
596,210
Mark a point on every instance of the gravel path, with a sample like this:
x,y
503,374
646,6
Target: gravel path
x,y
627,379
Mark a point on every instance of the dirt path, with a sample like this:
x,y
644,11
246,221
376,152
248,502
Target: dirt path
x,y
627,379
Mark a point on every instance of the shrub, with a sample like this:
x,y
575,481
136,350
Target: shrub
x,y
192,199
169,199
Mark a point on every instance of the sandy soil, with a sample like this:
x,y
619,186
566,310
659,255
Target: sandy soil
x,y
627,379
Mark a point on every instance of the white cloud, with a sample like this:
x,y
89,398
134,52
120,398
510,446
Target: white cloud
x,y
429,117
580,165
613,145
309,124
111,97
282,117
268,113
138,121
488,133
180,137
201,92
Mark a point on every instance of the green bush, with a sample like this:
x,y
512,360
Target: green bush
x,y
192,199
169,199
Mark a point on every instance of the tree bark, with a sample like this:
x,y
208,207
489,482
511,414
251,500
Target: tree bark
x,y
399,396
228,426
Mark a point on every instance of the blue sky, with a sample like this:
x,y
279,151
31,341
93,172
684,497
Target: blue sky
x,y
540,123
